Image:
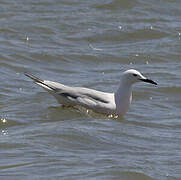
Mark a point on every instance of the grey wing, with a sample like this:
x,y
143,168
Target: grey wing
x,y
73,95
86,97
94,95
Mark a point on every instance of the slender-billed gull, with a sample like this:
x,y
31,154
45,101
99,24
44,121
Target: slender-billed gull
x,y
106,103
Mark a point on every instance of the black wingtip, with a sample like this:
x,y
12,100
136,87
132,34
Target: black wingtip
x,y
33,77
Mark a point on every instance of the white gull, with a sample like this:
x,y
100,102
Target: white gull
x,y
106,103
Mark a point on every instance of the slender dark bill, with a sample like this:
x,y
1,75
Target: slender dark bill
x,y
149,81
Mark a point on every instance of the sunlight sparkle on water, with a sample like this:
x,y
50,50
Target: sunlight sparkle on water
x,y
4,132
3,120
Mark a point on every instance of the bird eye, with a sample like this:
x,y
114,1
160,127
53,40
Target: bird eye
x,y
135,75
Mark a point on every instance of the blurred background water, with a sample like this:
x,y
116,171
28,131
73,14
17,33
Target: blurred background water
x,y
89,43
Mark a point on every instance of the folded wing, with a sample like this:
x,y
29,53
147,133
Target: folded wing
x,y
73,95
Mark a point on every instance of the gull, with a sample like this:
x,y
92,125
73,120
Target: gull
x,y
116,103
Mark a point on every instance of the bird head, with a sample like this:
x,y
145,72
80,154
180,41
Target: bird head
x,y
132,76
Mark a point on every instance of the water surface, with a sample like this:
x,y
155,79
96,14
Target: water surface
x,y
89,43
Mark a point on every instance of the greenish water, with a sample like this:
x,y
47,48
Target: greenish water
x,y
89,43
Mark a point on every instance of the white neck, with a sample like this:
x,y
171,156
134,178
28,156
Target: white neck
x,y
123,97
